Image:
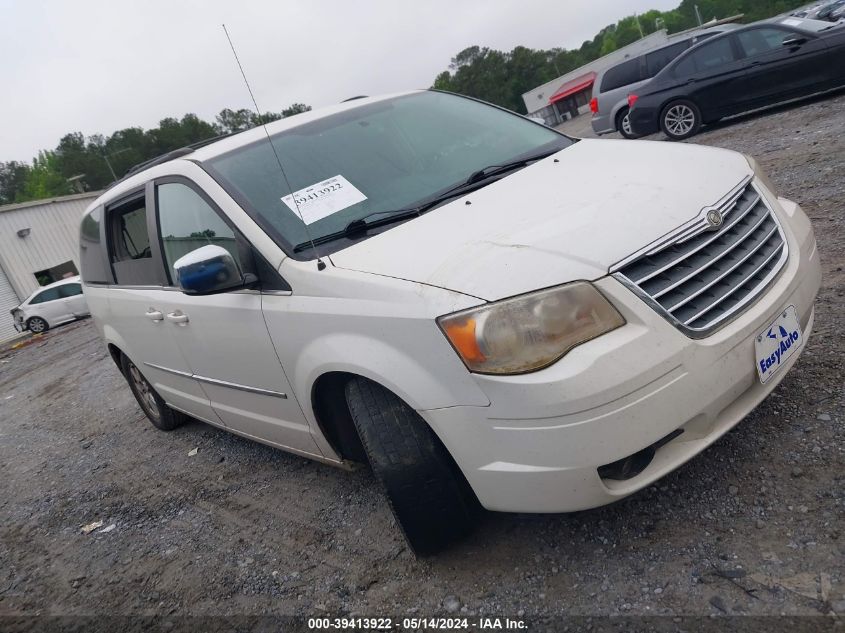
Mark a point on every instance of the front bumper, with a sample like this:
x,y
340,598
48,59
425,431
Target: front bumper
x,y
540,443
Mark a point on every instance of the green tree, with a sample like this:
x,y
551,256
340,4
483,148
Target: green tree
x,y
231,121
13,175
43,180
295,108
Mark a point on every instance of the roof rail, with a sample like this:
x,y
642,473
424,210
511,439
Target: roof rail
x,y
171,155
158,160
353,98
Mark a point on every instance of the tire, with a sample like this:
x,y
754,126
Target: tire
x,y
428,495
163,417
622,124
37,325
680,119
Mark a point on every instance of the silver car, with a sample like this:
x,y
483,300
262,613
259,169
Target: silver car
x,y
609,104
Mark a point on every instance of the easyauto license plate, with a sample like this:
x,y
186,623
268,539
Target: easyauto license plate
x,y
774,345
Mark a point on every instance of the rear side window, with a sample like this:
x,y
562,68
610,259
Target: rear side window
x,y
70,290
187,222
129,246
623,74
710,57
51,294
659,59
132,241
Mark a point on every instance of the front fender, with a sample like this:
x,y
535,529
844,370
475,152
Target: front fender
x,y
418,384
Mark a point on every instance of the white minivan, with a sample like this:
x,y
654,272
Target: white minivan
x,y
489,313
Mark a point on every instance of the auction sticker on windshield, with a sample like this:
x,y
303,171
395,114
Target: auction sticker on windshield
x,y
323,199
777,343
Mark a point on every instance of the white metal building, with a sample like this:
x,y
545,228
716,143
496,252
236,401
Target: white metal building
x,y
569,94
39,244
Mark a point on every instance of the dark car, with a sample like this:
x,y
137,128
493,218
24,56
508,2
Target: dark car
x,y
827,11
749,68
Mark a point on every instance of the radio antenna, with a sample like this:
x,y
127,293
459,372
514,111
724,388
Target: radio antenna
x,y
320,264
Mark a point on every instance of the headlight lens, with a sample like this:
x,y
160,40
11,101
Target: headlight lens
x,y
526,333
760,175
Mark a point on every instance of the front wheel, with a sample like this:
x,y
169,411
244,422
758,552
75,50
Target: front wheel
x,y
680,119
623,124
429,496
163,417
37,325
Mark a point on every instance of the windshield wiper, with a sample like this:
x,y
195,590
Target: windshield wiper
x,y
474,181
495,170
361,225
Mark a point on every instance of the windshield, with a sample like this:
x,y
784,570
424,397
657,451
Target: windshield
x,y
806,24
375,158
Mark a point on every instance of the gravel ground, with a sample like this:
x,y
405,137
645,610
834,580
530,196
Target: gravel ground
x,y
754,525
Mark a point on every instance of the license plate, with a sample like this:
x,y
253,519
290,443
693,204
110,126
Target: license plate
x,y
777,343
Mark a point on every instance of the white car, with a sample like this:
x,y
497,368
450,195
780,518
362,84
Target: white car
x,y
487,311
52,305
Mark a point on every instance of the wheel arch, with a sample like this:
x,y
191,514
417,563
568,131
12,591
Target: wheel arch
x,y
321,383
37,316
116,346
671,100
619,107
116,354
332,415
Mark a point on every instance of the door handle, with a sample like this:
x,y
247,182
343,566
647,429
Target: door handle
x,y
177,316
154,315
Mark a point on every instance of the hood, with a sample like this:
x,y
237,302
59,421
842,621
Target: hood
x,y
570,216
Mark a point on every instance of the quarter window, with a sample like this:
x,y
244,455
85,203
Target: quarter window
x,y
623,74
187,222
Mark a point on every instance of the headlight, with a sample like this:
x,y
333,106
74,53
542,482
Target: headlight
x,y
760,175
529,332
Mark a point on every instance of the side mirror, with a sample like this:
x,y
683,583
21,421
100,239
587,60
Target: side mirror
x,y
793,41
207,270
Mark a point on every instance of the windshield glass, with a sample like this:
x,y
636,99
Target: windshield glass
x,y
806,24
378,157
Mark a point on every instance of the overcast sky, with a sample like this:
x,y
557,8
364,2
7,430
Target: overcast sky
x,y
98,66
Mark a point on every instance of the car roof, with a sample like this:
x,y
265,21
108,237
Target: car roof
x,y
721,28
807,25
61,282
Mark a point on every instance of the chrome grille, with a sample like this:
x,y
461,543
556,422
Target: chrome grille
x,y
702,276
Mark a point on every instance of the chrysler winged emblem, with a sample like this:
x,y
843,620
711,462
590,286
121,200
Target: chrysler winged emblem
x,y
714,218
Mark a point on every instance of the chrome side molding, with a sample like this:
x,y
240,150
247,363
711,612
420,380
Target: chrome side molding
x,y
220,383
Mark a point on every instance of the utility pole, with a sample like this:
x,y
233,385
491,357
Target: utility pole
x,y
698,15
639,26
106,158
